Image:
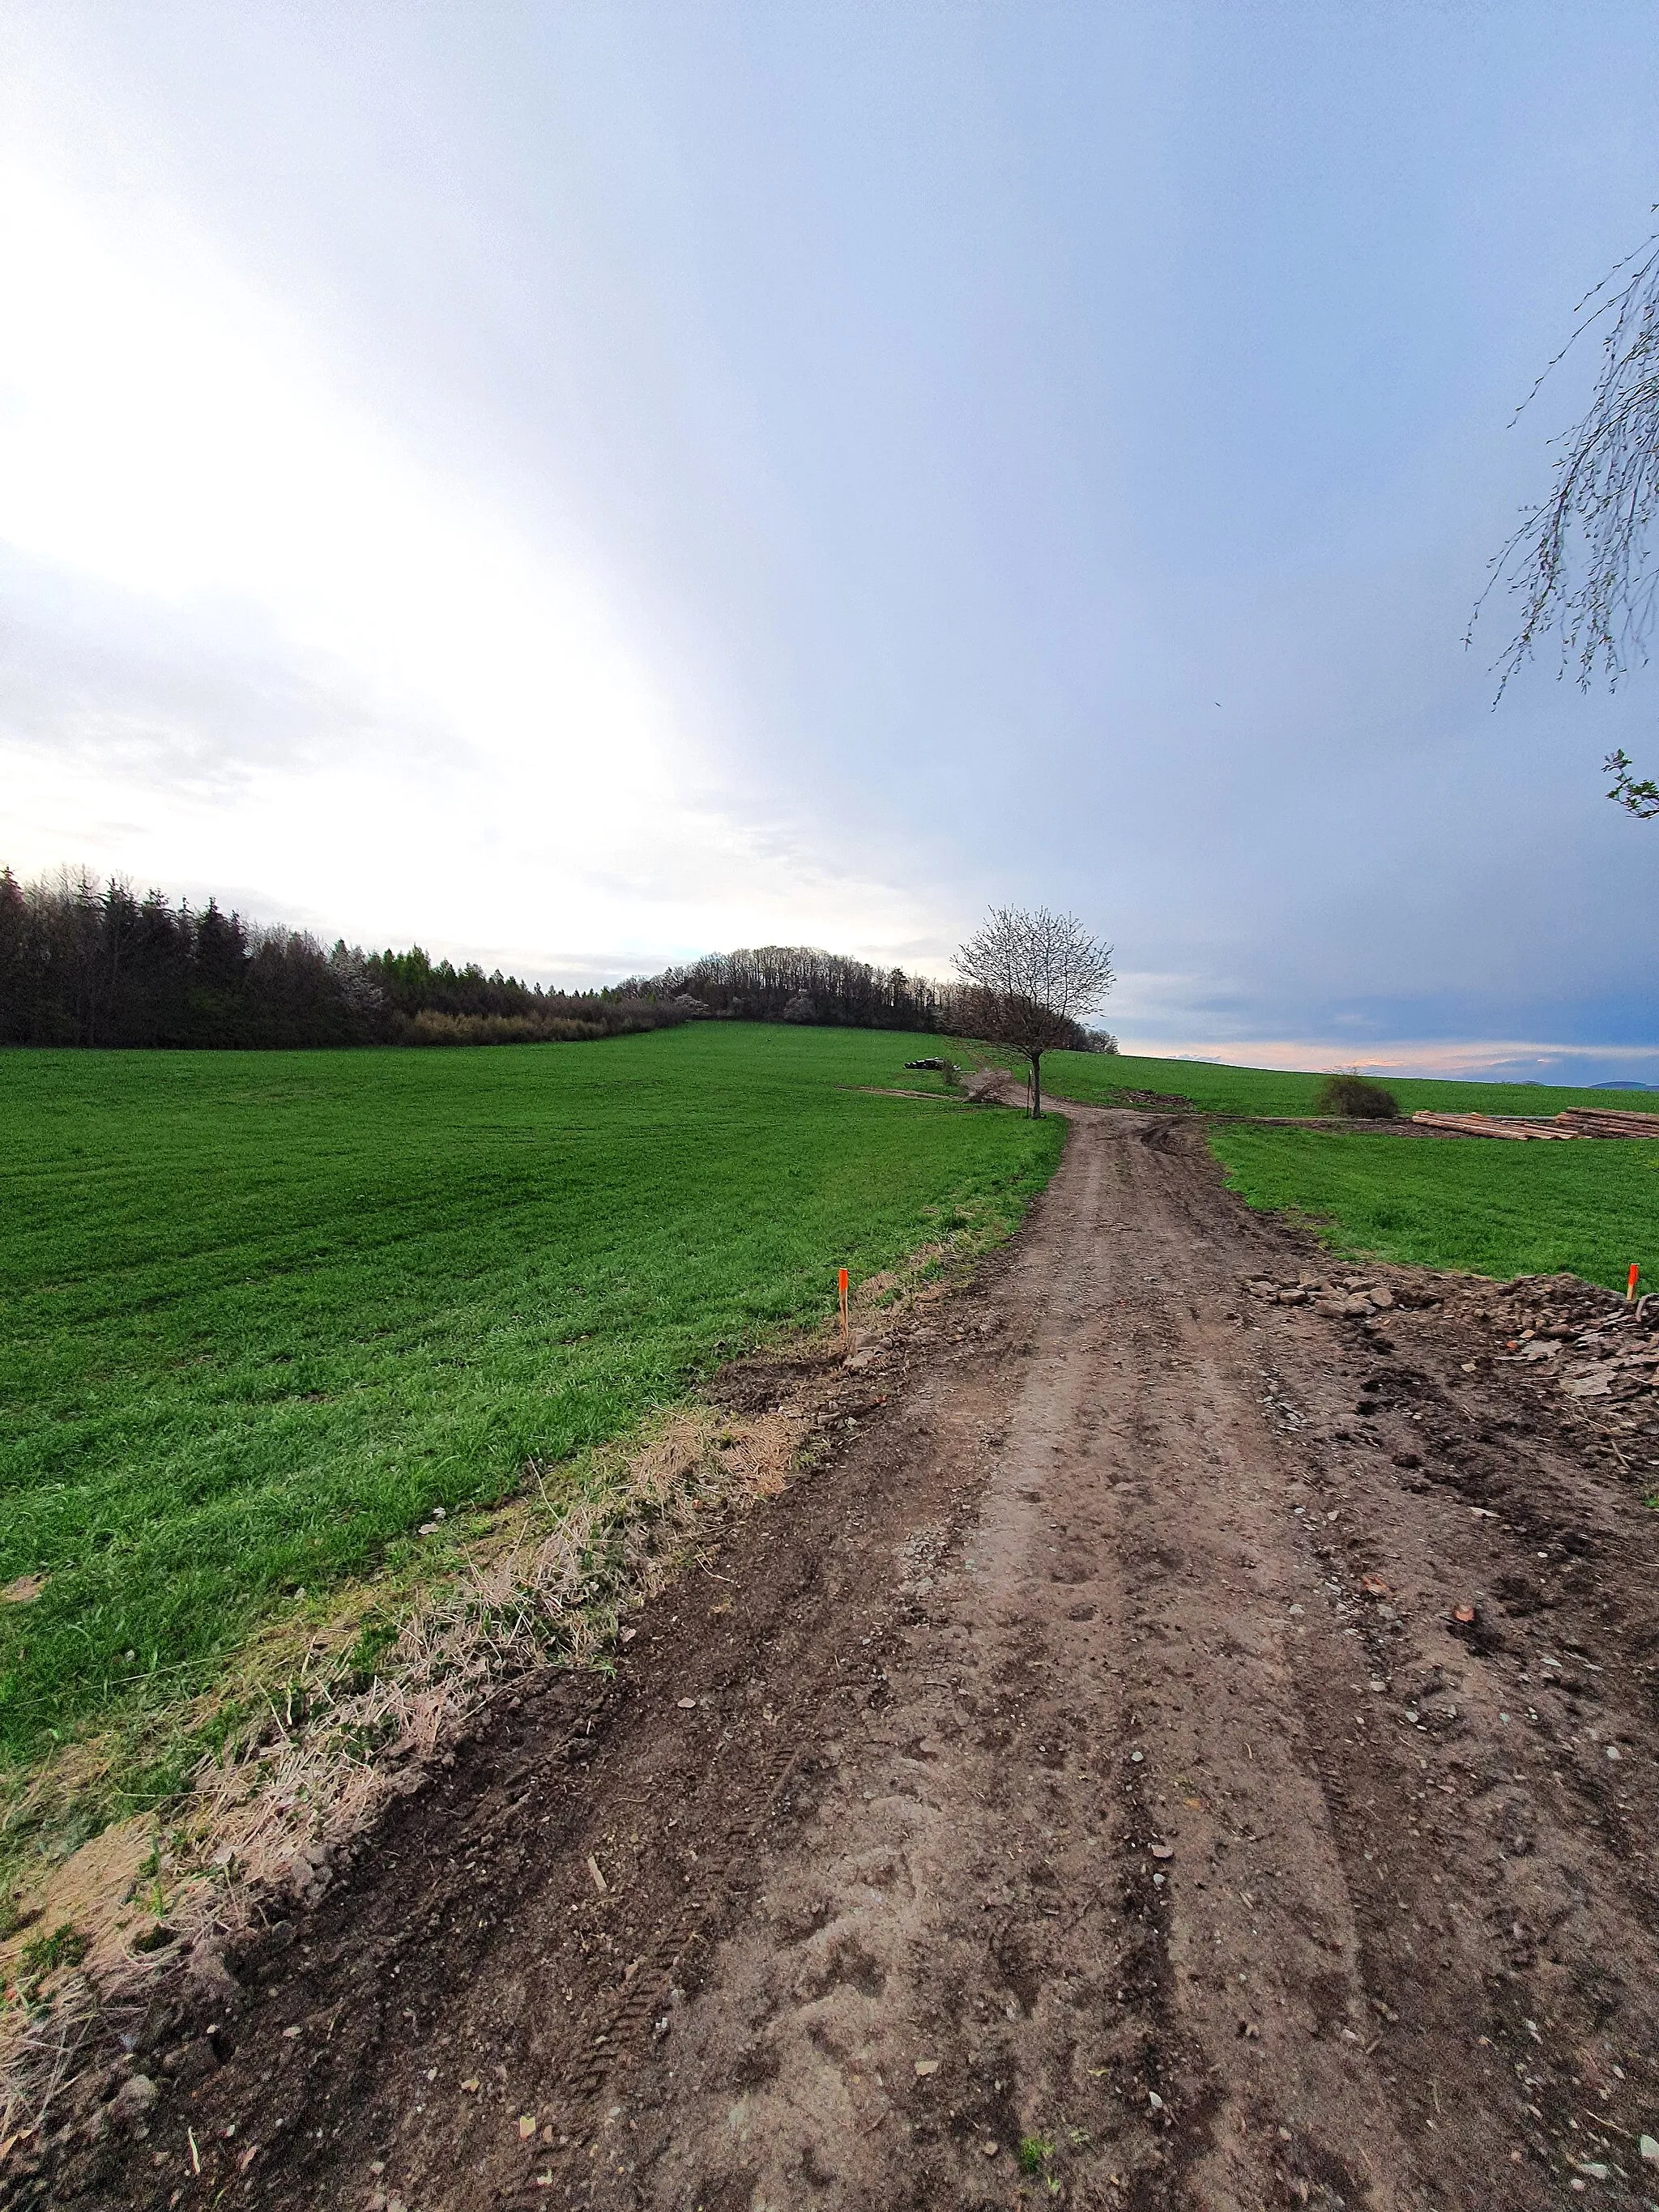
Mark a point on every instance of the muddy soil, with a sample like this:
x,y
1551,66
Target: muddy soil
x,y
1080,1790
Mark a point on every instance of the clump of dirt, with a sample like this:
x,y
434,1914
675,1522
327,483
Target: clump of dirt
x,y
1345,1294
1166,1102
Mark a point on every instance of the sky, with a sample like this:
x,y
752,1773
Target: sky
x,y
579,485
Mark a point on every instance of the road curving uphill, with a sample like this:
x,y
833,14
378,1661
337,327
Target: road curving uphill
x,y
1190,1746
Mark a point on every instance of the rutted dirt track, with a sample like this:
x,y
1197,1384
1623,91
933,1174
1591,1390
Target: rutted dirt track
x,y
1037,1771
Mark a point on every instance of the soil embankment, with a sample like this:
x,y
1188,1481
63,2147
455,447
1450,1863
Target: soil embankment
x,y
1081,1789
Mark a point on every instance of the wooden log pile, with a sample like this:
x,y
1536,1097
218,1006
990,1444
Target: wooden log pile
x,y
1609,1121
1573,1122
1493,1125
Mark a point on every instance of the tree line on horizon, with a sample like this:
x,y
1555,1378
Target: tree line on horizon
x,y
82,964
86,963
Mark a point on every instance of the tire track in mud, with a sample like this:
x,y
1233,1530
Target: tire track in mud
x,y
1092,1717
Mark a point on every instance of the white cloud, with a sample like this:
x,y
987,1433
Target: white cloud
x,y
269,646
1498,1061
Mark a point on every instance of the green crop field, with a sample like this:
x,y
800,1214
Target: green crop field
x,y
1494,1208
261,1312
1098,1077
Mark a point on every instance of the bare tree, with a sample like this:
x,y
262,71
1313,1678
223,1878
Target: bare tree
x,y
1581,560
1031,977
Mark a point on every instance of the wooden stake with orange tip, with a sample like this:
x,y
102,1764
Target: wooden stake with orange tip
x,y
1630,1287
846,1319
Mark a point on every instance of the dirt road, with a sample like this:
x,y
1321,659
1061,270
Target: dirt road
x,y
1039,1775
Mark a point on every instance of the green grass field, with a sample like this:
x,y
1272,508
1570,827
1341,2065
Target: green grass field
x,y
1495,1209
262,1312
1094,1076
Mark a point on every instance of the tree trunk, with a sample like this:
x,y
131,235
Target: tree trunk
x,y
1036,1086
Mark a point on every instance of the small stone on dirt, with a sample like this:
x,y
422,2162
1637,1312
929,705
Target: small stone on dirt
x,y
1163,1850
527,2126
688,1705
133,2100
926,2066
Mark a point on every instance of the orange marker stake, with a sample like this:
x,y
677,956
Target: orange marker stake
x,y
1630,1287
846,1323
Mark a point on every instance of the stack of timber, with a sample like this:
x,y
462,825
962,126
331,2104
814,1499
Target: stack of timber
x,y
1609,1121
1493,1125
1575,1121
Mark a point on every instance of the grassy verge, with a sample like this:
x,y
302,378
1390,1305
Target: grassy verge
x,y
1494,1209
277,1325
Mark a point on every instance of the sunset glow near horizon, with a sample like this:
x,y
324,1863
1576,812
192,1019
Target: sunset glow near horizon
x,y
580,486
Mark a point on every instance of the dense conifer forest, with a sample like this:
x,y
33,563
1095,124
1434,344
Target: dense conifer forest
x,y
88,963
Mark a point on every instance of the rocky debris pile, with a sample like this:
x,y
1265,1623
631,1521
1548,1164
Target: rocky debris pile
x,y
1591,1342
1340,1296
1594,1343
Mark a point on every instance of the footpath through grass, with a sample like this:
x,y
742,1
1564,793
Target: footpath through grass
x,y
1493,1208
262,1313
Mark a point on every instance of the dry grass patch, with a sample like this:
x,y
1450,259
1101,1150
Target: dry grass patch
x,y
318,1729
331,1715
